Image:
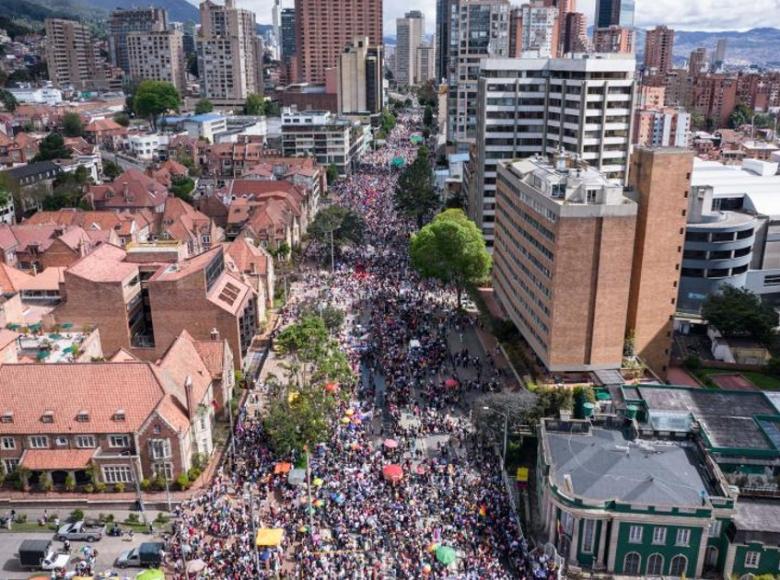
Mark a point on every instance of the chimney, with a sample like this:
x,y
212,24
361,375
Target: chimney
x,y
214,334
190,397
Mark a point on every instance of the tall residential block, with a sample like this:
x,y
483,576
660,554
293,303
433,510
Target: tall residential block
x,y
720,54
479,29
289,46
659,48
123,22
697,61
540,31
661,181
574,34
425,67
409,35
563,260
325,27
229,53
515,32
532,106
359,81
615,39
662,127
72,57
157,56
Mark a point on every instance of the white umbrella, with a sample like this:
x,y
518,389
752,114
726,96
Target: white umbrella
x,y
195,566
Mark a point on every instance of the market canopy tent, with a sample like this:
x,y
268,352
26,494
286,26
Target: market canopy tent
x,y
297,477
282,467
151,574
398,162
416,139
269,537
446,555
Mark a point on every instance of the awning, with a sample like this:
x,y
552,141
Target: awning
x,y
269,536
53,459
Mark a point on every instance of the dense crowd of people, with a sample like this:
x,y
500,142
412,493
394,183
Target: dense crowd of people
x,y
404,488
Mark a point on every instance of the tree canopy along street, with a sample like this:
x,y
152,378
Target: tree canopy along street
x,y
358,457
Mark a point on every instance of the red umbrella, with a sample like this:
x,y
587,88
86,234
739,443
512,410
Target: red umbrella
x,y
331,387
390,443
451,383
393,473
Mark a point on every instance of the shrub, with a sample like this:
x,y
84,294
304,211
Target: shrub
x,y
194,473
76,515
21,518
100,487
183,481
132,519
162,518
44,482
146,485
119,487
53,517
89,488
70,482
692,362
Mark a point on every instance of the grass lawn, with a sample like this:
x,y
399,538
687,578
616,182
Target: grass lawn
x,y
761,380
29,527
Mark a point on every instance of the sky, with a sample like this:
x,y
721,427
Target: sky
x,y
680,14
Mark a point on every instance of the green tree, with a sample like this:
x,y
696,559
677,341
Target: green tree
x,y
304,342
72,126
347,226
332,173
203,106
300,419
698,122
111,170
451,249
122,119
52,147
153,98
415,194
427,94
741,115
68,190
428,116
8,101
387,122
255,105
182,187
737,312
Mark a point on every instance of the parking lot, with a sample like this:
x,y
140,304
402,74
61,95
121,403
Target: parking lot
x,y
108,549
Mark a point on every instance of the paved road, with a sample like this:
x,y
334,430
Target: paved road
x,y
108,549
123,162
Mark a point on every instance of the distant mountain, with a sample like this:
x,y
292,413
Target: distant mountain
x,y
178,10
757,46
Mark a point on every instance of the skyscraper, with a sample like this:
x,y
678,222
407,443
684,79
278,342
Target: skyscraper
x,y
276,22
409,35
616,39
720,54
540,30
72,57
157,56
443,15
574,34
325,27
479,29
659,46
614,13
229,53
288,33
123,22
697,62
425,65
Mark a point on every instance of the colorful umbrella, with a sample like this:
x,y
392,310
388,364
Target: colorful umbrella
x,y
446,555
269,537
317,482
451,383
390,443
296,477
349,412
331,387
282,467
393,473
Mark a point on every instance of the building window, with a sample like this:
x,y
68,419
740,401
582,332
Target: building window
x,y
117,474
10,465
165,470
588,536
752,559
9,443
85,441
679,565
655,565
160,448
715,527
631,564
635,534
39,441
683,538
659,536
118,441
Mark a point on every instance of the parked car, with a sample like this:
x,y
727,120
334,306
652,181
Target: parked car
x,y
147,555
38,554
83,530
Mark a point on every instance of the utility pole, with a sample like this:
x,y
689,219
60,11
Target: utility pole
x,y
308,488
248,494
332,261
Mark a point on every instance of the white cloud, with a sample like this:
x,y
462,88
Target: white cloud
x,y
682,14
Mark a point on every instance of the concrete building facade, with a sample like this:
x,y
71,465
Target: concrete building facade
x,y
360,87
123,22
538,106
157,56
409,36
659,49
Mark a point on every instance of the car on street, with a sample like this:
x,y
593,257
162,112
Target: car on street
x,y
81,531
147,555
39,554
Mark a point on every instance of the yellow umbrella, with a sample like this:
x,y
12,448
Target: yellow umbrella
x,y
270,537
344,420
293,396
318,481
349,412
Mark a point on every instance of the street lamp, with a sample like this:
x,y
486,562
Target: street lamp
x,y
506,431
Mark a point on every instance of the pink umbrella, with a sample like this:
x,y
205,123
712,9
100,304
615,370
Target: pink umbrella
x,y
393,473
391,443
451,383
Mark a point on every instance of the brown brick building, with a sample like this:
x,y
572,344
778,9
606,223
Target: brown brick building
x,y
128,420
661,181
324,27
563,256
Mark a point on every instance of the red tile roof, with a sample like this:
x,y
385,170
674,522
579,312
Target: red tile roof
x,y
132,189
50,459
